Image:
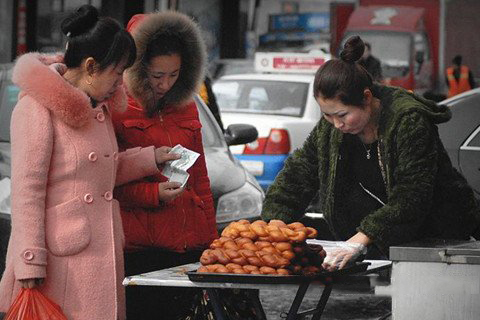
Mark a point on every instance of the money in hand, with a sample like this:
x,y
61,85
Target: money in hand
x,y
176,170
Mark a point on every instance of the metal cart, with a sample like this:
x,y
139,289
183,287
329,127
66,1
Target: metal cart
x,y
181,276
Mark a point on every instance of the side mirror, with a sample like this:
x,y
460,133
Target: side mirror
x,y
240,133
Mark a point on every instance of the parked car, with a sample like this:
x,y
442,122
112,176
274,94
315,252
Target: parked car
x,y
461,135
278,101
237,195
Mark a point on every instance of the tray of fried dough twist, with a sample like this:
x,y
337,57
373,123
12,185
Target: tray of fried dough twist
x,y
261,252
275,278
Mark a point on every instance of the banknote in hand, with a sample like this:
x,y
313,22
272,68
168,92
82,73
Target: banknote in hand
x,y
176,170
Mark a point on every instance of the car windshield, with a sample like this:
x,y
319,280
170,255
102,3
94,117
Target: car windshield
x,y
8,101
261,96
391,48
233,66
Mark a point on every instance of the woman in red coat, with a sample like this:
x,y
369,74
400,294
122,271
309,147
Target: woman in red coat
x,y
164,225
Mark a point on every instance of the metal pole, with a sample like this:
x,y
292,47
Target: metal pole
x,y
297,301
441,47
162,5
323,301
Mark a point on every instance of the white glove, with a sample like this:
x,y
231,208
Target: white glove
x,y
344,252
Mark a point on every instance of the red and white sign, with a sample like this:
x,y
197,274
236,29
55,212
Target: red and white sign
x,y
289,62
297,63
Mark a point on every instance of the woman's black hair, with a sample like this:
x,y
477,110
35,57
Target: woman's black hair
x,y
343,78
103,39
163,44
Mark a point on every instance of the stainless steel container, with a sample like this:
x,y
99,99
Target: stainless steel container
x,y
436,279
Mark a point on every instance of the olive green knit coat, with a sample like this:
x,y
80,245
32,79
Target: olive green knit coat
x,y
427,197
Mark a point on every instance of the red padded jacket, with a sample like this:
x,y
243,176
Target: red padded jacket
x,y
187,222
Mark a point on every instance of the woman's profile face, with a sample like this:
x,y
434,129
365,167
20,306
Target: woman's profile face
x,y
105,82
163,71
346,118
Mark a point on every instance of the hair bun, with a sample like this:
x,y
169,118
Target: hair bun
x,y
80,21
352,50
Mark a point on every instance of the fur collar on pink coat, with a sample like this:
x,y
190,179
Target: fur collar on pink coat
x,y
39,76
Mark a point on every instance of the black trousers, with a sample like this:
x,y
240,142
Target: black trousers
x,y
149,302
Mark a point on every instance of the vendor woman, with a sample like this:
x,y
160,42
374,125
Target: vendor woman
x,y
377,163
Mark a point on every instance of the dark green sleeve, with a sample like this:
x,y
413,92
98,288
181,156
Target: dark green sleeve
x,y
295,185
410,198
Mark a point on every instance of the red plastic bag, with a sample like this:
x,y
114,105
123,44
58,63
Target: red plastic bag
x,y
31,304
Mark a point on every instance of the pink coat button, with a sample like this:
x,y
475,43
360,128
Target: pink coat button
x,y
108,196
100,116
115,156
28,255
88,198
92,156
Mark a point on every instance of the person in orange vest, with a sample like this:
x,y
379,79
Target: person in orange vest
x,y
459,77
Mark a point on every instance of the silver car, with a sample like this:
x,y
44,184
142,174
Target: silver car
x,y
236,192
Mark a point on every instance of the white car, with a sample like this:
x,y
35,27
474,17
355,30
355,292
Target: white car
x,y
279,102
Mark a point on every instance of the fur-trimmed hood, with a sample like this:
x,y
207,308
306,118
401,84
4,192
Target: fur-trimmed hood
x,y
143,27
40,77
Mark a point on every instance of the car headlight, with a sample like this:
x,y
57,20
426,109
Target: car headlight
x,y
243,203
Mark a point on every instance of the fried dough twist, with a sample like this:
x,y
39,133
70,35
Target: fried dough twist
x,y
274,231
259,258
239,269
284,249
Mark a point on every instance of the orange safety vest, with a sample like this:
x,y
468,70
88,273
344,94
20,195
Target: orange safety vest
x,y
462,85
203,93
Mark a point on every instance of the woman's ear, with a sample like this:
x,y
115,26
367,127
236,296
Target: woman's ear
x,y
89,66
367,97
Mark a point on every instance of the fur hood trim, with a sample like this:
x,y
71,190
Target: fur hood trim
x,y
143,28
38,76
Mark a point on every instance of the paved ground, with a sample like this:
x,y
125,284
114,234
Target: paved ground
x,y
353,300
341,305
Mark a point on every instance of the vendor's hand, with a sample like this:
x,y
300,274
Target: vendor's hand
x,y
31,283
338,258
167,191
162,155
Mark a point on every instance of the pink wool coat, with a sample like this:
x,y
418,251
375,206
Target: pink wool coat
x,y
66,226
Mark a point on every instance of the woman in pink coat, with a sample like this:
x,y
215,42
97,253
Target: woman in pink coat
x,y
67,238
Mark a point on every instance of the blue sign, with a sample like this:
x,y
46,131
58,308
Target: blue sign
x,y
307,22
288,36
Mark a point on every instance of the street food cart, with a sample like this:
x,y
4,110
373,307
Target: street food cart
x,y
186,276
436,279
